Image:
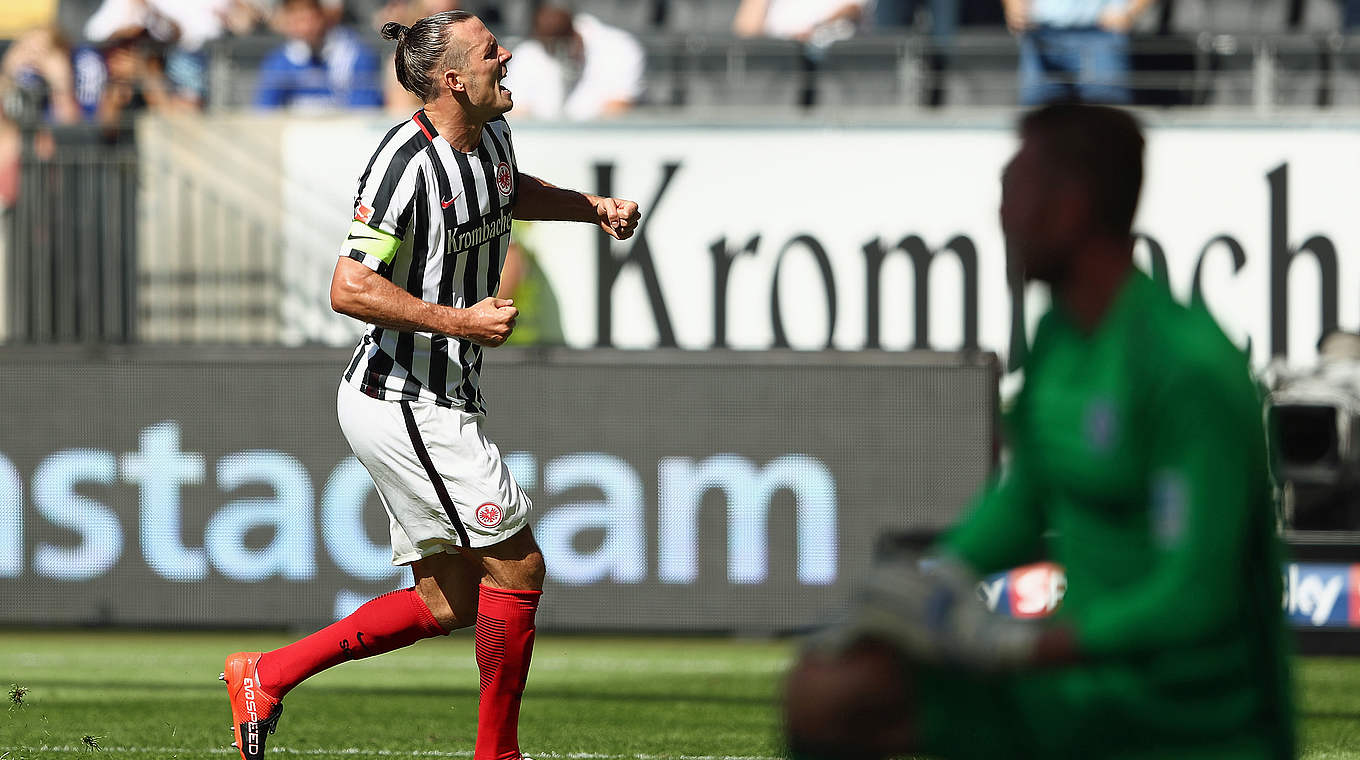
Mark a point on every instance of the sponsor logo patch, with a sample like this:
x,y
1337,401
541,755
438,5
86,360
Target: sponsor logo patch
x,y
1102,426
1029,591
252,727
489,515
1036,590
1315,594
363,213
1170,503
471,237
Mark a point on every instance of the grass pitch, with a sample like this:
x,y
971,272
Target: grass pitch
x,y
155,696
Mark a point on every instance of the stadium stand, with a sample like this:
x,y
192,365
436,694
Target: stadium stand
x,y
1344,88
1235,54
1227,16
868,72
1299,65
1258,54
700,16
633,15
1232,69
516,17
234,65
664,76
77,220
980,69
1167,70
1319,16
743,73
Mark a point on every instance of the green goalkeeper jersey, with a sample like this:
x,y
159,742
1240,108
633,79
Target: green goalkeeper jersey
x,y
1138,462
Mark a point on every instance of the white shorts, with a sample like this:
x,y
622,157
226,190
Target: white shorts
x,y
442,481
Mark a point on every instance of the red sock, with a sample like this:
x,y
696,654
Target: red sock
x,y
391,621
505,641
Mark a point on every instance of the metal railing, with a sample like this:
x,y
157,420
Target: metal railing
x,y
158,235
708,76
72,265
209,259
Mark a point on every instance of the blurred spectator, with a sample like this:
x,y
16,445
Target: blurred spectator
x,y
149,52
243,16
196,23
37,86
1350,20
38,81
575,67
1074,48
815,22
124,75
335,11
11,153
322,65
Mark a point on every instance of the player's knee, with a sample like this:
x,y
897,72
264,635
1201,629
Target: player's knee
x,y
517,564
451,615
461,615
535,570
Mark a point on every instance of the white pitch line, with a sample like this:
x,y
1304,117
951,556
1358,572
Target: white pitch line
x,y
395,753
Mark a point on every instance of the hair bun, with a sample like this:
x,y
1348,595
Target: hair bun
x,y
394,31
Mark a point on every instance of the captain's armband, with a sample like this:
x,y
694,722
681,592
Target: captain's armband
x,y
371,246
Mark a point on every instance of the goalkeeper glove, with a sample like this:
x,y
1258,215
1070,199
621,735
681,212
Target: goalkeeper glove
x,y
929,609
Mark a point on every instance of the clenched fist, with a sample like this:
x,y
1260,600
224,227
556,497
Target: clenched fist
x,y
618,217
489,322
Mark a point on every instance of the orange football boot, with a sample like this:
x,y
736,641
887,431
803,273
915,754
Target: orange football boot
x,y
254,714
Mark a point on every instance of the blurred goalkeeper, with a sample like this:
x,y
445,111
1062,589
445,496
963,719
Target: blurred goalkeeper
x,y
1138,464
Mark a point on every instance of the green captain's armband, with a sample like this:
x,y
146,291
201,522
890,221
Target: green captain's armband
x,y
371,242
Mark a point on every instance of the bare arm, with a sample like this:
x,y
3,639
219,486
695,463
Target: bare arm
x,y
851,12
513,270
750,18
543,201
1138,7
360,292
1117,19
1017,14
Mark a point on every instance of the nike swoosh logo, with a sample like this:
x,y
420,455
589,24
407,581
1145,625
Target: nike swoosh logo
x,y
364,237
449,202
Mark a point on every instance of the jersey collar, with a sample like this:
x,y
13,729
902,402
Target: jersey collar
x,y
1128,304
422,120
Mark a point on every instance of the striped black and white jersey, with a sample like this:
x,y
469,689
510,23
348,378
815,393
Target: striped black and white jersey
x,y
435,221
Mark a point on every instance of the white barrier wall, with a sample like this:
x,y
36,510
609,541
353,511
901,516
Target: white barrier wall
x,y
813,236
672,490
